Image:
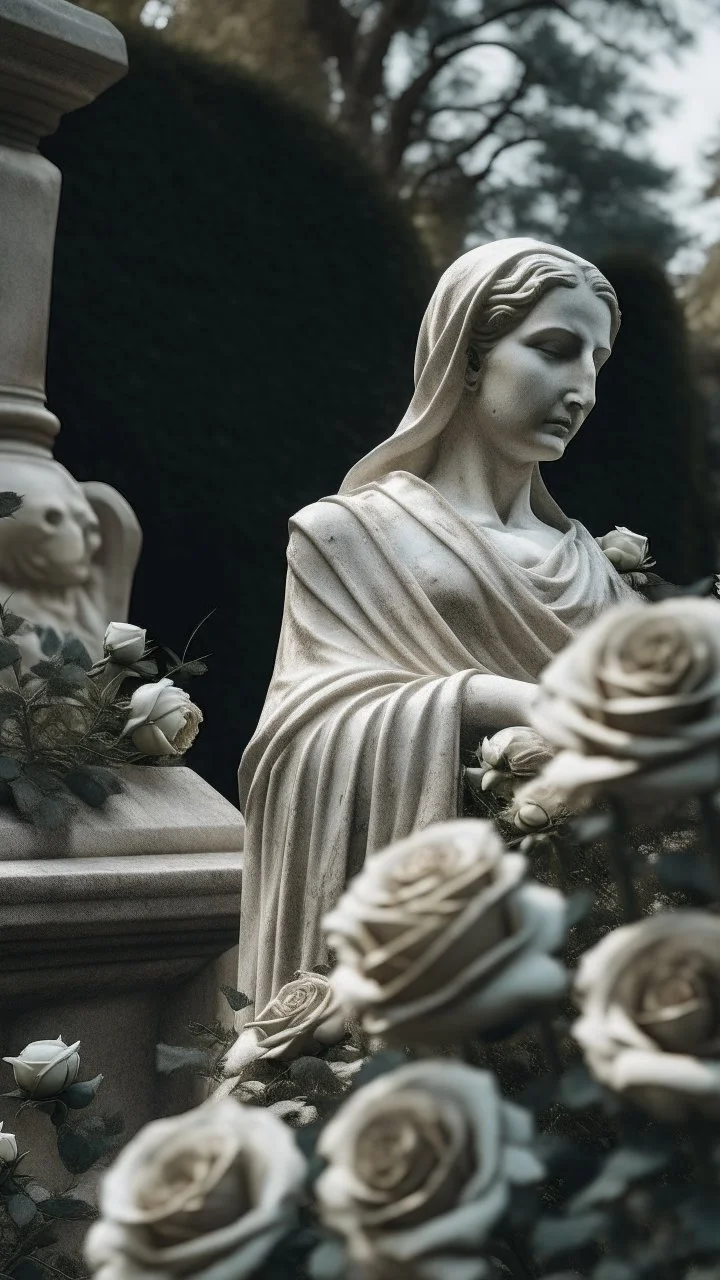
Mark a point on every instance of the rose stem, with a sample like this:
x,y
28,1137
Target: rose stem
x,y
548,1041
562,862
711,829
501,1251
620,862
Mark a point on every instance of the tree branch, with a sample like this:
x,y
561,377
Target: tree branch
x,y
527,7
372,49
336,31
481,174
403,109
463,146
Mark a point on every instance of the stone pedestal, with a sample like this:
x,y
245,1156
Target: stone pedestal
x,y
118,935
69,556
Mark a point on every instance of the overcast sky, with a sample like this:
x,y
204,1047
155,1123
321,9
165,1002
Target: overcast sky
x,y
680,140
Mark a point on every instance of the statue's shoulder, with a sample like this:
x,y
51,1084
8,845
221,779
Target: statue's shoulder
x,y
332,517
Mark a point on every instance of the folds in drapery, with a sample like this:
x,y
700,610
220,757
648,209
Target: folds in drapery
x,y
358,743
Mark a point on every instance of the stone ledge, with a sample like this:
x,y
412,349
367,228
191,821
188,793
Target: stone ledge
x,y
162,811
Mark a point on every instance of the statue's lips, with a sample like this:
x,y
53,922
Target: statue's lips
x,y
558,427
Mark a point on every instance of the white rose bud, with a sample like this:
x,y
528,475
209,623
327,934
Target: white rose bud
x,y
210,1192
441,936
302,1016
124,644
162,719
518,749
626,550
649,995
8,1146
508,758
422,1163
46,1067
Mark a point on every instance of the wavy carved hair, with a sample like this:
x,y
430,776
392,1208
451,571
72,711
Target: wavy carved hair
x,y
514,295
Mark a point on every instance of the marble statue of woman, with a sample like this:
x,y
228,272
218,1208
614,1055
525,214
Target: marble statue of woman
x,y
424,599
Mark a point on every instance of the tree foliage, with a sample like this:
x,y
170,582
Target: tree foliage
x,y
493,117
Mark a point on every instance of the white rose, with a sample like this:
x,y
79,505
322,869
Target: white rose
x,y
508,757
8,1146
632,699
124,644
214,1188
649,995
302,1016
626,550
162,719
422,1164
440,935
46,1067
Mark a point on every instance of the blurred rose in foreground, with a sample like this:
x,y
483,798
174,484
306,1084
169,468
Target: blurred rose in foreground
x,y
421,1165
441,936
212,1190
649,994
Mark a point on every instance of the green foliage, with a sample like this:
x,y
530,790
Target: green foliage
x,y
9,504
274,293
62,728
31,1218
236,999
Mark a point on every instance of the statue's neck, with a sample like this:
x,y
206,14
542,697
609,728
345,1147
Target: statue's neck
x,y
492,490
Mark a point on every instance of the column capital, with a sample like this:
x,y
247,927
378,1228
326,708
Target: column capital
x,y
54,57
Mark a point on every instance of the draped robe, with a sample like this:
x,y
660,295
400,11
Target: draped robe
x,y
393,602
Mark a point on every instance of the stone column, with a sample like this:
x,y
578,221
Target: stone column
x,y
68,557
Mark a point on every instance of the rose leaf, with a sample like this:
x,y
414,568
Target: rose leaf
x,y
11,622
690,872
328,1261
175,1057
591,827
614,1269
9,653
82,1093
50,641
21,1208
69,1208
578,907
699,1215
11,702
80,1148
378,1064
236,999
73,651
27,796
69,678
621,1169
28,1269
312,1075
10,502
555,1236
577,1089
9,769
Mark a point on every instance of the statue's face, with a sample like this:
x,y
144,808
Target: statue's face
x,y
537,384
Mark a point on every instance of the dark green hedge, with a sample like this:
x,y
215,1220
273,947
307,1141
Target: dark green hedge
x,y
235,310
640,459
